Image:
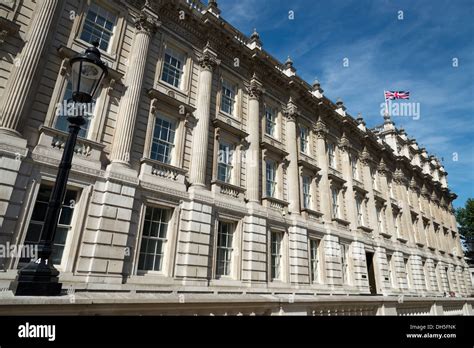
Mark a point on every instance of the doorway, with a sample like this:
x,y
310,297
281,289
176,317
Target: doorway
x,y
371,273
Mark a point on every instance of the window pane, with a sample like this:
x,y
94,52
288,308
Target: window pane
x,y
224,248
155,228
33,234
172,68
98,25
163,140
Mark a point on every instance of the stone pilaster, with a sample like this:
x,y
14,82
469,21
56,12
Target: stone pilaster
x,y
323,184
207,61
360,273
298,255
22,78
253,152
366,161
344,147
193,251
254,246
146,26
331,259
291,113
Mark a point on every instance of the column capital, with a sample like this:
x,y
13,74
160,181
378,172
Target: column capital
x,y
321,129
147,23
344,143
255,88
291,111
365,156
382,168
208,59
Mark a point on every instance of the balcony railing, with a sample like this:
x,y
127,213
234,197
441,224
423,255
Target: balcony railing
x,y
151,170
228,189
275,203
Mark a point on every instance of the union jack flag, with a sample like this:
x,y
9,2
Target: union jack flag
x,y
397,95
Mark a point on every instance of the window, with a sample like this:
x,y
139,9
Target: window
x,y
270,122
306,192
304,139
390,189
163,140
355,173
335,202
313,253
395,223
271,169
407,272
391,274
332,155
344,263
360,212
173,68
276,255
33,234
224,248
227,98
224,162
373,173
154,238
380,219
67,109
98,26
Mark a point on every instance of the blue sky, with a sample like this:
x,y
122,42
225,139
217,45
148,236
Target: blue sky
x,y
414,54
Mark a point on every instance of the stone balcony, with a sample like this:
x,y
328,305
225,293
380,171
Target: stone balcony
x,y
156,172
88,154
275,203
226,189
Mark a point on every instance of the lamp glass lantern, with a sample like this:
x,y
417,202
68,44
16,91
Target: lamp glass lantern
x,y
87,73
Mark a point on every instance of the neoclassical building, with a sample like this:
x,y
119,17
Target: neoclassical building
x,y
211,174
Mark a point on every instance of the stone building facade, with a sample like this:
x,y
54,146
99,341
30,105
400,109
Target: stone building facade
x,y
207,166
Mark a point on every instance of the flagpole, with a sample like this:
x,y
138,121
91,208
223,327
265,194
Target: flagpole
x,y
386,105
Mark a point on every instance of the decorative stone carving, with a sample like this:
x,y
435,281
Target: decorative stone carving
x,y
146,23
291,111
208,59
382,168
321,129
255,89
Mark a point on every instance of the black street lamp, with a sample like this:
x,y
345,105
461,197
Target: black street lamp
x,y
40,277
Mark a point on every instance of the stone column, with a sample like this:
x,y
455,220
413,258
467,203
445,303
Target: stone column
x,y
146,26
389,223
253,152
292,147
344,146
22,77
207,61
323,186
366,161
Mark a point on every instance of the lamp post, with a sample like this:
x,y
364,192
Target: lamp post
x,y
40,277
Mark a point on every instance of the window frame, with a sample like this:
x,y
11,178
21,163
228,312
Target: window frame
x,y
173,70
315,262
274,164
232,259
331,153
170,257
173,151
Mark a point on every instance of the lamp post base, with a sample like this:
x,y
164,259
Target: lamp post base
x,y
37,279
